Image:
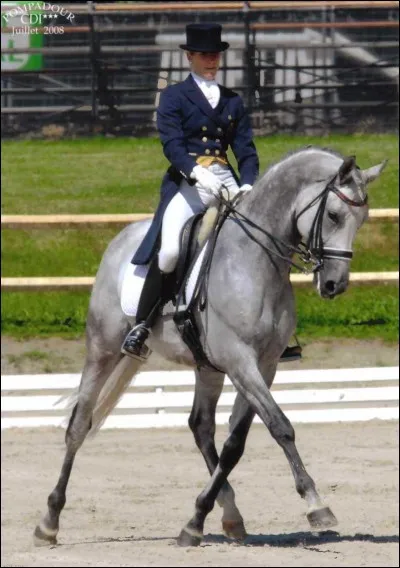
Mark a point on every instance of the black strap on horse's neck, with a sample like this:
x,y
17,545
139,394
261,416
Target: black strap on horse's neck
x,y
313,251
305,254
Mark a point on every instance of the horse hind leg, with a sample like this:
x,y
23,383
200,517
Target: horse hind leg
x,y
95,373
208,388
192,533
232,525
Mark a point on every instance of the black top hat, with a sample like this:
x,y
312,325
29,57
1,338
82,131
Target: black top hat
x,y
205,38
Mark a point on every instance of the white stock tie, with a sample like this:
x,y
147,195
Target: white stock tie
x,y
212,93
210,89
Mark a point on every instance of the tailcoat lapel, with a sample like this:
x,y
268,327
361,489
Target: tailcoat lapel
x,y
195,94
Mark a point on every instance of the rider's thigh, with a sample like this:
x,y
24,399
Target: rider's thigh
x,y
175,216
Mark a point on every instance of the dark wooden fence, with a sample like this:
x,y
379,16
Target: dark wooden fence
x,y
309,67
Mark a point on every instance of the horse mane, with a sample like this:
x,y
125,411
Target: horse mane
x,y
291,153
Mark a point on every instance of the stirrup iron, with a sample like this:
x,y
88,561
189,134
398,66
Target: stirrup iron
x,y
140,352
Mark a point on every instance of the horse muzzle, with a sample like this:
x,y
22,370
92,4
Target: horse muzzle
x,y
331,288
332,278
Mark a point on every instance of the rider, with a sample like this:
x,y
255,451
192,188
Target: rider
x,y
197,120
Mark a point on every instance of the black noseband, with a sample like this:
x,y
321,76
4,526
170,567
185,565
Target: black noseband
x,y
341,254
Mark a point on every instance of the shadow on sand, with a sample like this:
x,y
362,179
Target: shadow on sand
x,y
306,538
303,539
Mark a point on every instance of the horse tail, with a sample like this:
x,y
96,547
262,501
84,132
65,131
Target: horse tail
x,y
112,391
116,384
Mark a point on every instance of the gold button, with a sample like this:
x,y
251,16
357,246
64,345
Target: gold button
x,y
207,151
217,152
204,139
218,140
229,116
204,127
219,129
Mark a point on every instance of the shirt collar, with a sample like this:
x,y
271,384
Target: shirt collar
x,y
201,81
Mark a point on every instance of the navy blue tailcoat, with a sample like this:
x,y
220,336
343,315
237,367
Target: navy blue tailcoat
x,y
189,128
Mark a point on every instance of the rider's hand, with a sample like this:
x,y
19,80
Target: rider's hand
x,y
246,187
207,180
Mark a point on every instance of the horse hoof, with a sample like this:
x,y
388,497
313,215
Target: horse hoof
x,y
322,519
44,537
188,538
234,530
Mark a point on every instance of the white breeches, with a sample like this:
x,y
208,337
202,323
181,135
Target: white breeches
x,y
190,200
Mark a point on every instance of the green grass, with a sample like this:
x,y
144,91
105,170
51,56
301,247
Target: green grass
x,y
94,175
101,175
120,175
30,314
361,313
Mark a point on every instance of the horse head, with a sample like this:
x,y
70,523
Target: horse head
x,y
329,221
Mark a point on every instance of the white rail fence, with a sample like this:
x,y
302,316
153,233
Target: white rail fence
x,y
164,399
25,284
31,221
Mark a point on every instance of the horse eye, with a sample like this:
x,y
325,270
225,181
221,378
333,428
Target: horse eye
x,y
333,217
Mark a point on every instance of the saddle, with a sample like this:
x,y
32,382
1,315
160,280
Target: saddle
x,y
184,317
190,249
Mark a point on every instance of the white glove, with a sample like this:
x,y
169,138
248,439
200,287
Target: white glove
x,y
207,180
246,187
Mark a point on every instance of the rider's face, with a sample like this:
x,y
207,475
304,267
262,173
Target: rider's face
x,y
204,64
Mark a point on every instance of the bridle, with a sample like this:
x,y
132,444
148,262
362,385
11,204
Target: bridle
x,y
314,243
311,253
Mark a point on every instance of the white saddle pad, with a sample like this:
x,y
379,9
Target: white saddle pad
x,y
132,284
134,277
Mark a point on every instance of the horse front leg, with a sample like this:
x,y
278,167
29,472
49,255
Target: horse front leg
x,y
218,487
253,387
208,388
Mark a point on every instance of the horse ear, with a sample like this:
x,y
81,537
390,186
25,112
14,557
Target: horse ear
x,y
348,164
372,173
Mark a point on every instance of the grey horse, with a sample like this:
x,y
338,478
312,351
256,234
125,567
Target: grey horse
x,y
312,195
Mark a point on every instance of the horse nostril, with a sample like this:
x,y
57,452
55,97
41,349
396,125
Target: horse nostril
x,y
330,286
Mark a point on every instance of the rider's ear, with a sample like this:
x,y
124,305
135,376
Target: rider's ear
x,y
372,173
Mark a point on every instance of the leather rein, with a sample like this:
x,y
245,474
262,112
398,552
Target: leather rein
x,y
311,253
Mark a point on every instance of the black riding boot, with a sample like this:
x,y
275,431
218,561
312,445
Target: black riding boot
x,y
291,354
149,307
